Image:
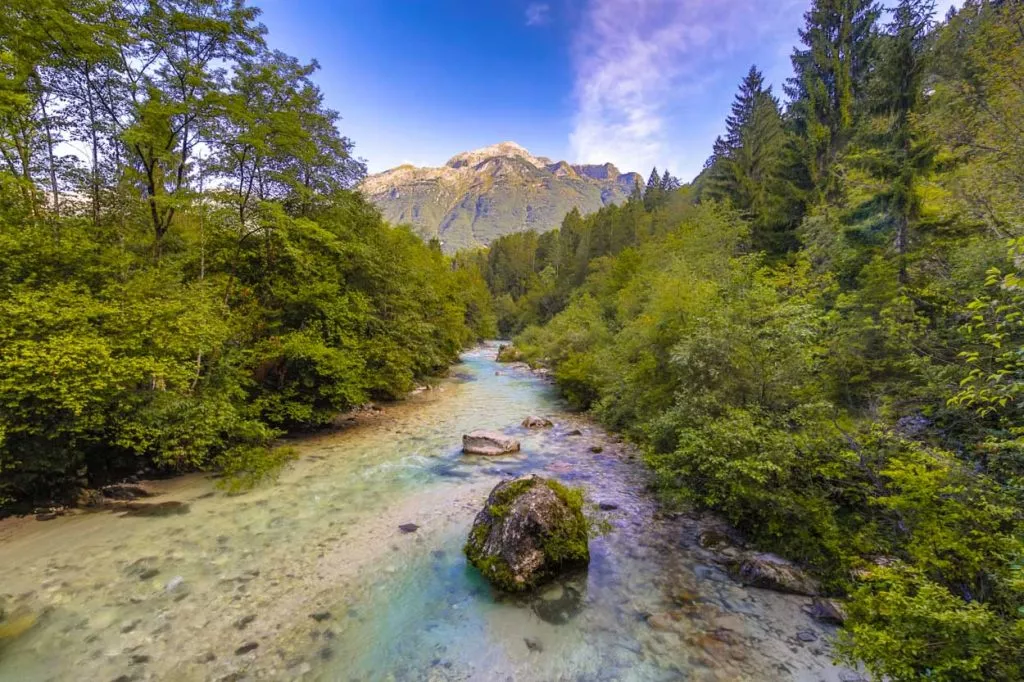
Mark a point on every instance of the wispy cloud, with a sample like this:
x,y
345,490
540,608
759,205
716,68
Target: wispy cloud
x,y
641,64
538,14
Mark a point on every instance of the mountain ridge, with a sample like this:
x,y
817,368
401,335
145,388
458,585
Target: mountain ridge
x,y
482,194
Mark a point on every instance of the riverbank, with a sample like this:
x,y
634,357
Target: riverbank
x,y
312,577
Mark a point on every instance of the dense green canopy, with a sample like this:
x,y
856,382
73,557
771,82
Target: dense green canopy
x,y
201,278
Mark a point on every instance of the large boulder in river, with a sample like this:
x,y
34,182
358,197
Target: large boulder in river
x,y
772,572
530,530
488,443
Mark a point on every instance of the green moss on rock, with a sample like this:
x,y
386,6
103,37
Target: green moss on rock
x,y
529,530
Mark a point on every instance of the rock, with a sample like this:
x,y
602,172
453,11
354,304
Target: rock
x,y
489,443
828,611
320,616
575,432
533,422
509,353
596,449
174,583
530,530
851,676
607,506
533,644
123,492
90,499
46,516
408,528
558,606
807,636
244,621
772,572
168,508
246,648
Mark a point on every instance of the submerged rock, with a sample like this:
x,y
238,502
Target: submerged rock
x,y
489,443
772,572
533,422
531,529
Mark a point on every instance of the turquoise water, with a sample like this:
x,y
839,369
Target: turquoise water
x,y
310,578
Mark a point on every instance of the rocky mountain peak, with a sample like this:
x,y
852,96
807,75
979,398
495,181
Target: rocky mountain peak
x,y
485,193
502,149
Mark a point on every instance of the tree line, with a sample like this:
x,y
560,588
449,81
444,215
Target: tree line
x,y
821,337
185,271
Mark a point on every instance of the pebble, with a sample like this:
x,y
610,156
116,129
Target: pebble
x,y
533,644
320,616
244,621
174,583
246,648
807,636
607,506
408,528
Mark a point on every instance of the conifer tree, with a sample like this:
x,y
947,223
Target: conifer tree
x,y
828,83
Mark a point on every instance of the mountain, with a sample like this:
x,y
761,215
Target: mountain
x,y
480,195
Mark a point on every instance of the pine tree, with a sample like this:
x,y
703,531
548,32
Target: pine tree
x,y
828,83
654,192
751,87
893,150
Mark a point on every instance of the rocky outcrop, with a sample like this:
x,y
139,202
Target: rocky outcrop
x,y
530,530
533,422
772,572
488,443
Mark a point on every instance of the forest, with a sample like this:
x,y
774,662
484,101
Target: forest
x,y
822,337
185,271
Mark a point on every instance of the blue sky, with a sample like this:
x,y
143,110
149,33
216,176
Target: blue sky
x,y
635,82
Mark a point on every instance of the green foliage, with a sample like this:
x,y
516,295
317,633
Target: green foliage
x,y
852,401
161,310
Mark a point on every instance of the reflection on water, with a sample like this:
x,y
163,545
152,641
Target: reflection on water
x,y
311,578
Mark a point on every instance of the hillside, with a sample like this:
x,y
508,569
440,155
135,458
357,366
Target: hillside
x,y
481,195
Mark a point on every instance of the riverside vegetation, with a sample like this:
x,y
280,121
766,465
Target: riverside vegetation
x,y
201,278
821,338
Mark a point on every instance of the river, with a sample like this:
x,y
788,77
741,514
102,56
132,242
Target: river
x,y
311,578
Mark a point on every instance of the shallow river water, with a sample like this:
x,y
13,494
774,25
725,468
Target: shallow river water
x,y
310,578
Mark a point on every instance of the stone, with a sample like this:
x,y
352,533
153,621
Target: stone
x,y
596,449
90,499
533,644
509,353
408,528
320,616
174,583
828,611
772,572
575,432
46,516
488,443
807,636
123,492
607,506
246,648
533,422
531,529
244,621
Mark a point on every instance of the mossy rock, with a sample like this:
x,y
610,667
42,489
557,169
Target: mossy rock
x,y
509,354
530,530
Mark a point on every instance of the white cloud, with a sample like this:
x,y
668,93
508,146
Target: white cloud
x,y
538,14
637,60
